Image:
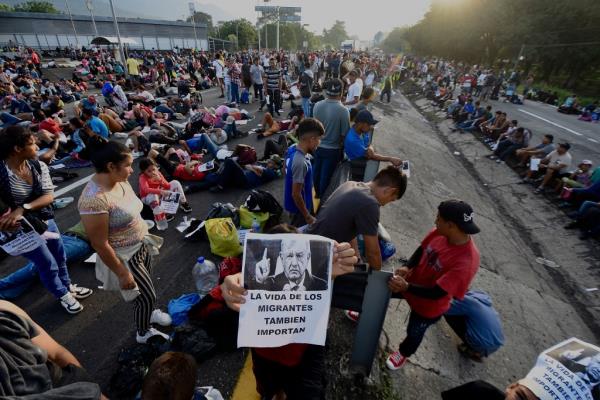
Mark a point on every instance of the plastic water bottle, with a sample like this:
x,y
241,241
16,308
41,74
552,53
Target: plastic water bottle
x,y
205,275
255,226
161,218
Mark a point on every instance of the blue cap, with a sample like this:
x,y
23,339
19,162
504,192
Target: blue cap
x,y
200,260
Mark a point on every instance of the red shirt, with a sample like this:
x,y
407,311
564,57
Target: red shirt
x,y
151,186
184,175
450,267
50,125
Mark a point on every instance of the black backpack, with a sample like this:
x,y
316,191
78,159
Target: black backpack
x,y
263,201
195,233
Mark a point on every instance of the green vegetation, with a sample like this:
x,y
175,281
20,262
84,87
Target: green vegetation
x,y
558,40
31,6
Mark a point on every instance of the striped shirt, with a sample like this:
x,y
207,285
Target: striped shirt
x,y
21,190
273,77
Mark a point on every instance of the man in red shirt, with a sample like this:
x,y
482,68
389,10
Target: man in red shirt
x,y
441,269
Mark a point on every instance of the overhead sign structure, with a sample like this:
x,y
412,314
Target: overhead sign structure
x,y
277,14
282,10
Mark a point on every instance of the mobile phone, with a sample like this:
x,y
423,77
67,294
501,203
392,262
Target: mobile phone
x,y
406,168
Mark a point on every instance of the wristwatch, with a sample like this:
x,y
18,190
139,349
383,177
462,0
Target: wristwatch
x,y
26,206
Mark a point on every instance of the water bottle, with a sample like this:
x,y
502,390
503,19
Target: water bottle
x,y
255,226
161,218
205,275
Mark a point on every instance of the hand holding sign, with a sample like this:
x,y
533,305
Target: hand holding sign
x,y
233,293
263,267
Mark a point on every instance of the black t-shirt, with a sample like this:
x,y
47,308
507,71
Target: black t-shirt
x,y
351,210
476,390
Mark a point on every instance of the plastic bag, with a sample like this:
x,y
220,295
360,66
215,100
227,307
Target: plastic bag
x,y
223,237
178,308
247,217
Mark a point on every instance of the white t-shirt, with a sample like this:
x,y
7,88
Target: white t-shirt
x,y
555,158
218,68
354,91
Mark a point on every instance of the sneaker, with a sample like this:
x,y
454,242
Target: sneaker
x,y
161,318
80,292
395,361
493,157
524,181
142,339
120,135
499,161
185,207
70,304
538,190
352,315
169,217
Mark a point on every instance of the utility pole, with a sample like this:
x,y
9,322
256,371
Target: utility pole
x,y
237,34
90,7
519,57
72,24
121,53
278,18
193,12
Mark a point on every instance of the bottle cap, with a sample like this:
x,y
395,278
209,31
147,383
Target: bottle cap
x,y
200,260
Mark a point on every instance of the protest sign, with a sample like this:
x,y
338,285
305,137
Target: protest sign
x,y
534,164
288,278
23,240
569,370
170,202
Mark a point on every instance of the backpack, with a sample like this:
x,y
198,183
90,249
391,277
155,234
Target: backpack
x,y
245,97
262,201
245,154
195,233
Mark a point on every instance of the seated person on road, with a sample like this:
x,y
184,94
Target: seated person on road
x,y
272,126
153,186
36,366
554,165
580,178
294,371
539,151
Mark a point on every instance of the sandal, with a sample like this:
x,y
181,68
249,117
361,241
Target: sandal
x,y
469,353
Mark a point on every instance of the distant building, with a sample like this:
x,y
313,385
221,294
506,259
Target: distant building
x,y
48,31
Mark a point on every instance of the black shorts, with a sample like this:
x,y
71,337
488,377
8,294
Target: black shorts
x,y
305,381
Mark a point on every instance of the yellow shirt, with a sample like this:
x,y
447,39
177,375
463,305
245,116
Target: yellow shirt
x,y
132,66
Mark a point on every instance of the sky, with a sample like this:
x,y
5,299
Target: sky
x,y
363,18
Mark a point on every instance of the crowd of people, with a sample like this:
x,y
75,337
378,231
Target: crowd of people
x,y
155,114
464,92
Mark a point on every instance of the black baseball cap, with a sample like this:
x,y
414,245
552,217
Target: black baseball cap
x,y
460,213
333,87
365,116
565,145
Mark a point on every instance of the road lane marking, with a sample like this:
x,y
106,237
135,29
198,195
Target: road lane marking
x,y
593,140
550,122
72,186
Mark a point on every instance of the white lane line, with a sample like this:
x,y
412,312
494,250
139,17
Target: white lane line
x,y
72,186
550,122
593,140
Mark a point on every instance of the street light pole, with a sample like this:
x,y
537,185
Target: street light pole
x,y
278,18
73,24
90,7
193,12
121,53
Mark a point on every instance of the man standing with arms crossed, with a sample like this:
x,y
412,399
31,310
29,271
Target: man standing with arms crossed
x,y
274,81
336,120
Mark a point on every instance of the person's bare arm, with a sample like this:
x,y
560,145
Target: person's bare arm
x,y
299,201
371,155
56,353
372,251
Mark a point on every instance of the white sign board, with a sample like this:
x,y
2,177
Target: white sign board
x,y
23,240
288,278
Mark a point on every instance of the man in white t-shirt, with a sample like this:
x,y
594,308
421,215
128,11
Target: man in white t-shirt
x,y
554,165
354,90
219,66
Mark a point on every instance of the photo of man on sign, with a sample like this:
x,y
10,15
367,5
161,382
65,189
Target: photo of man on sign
x,y
295,268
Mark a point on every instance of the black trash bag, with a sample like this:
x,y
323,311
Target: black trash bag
x,y
224,210
221,323
133,362
263,201
194,340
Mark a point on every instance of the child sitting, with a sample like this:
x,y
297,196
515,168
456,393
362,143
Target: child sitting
x,y
153,186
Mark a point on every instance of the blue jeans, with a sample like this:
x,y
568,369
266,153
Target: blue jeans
x,y
20,106
8,120
228,92
51,261
165,110
586,206
415,331
306,106
326,160
203,142
235,92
